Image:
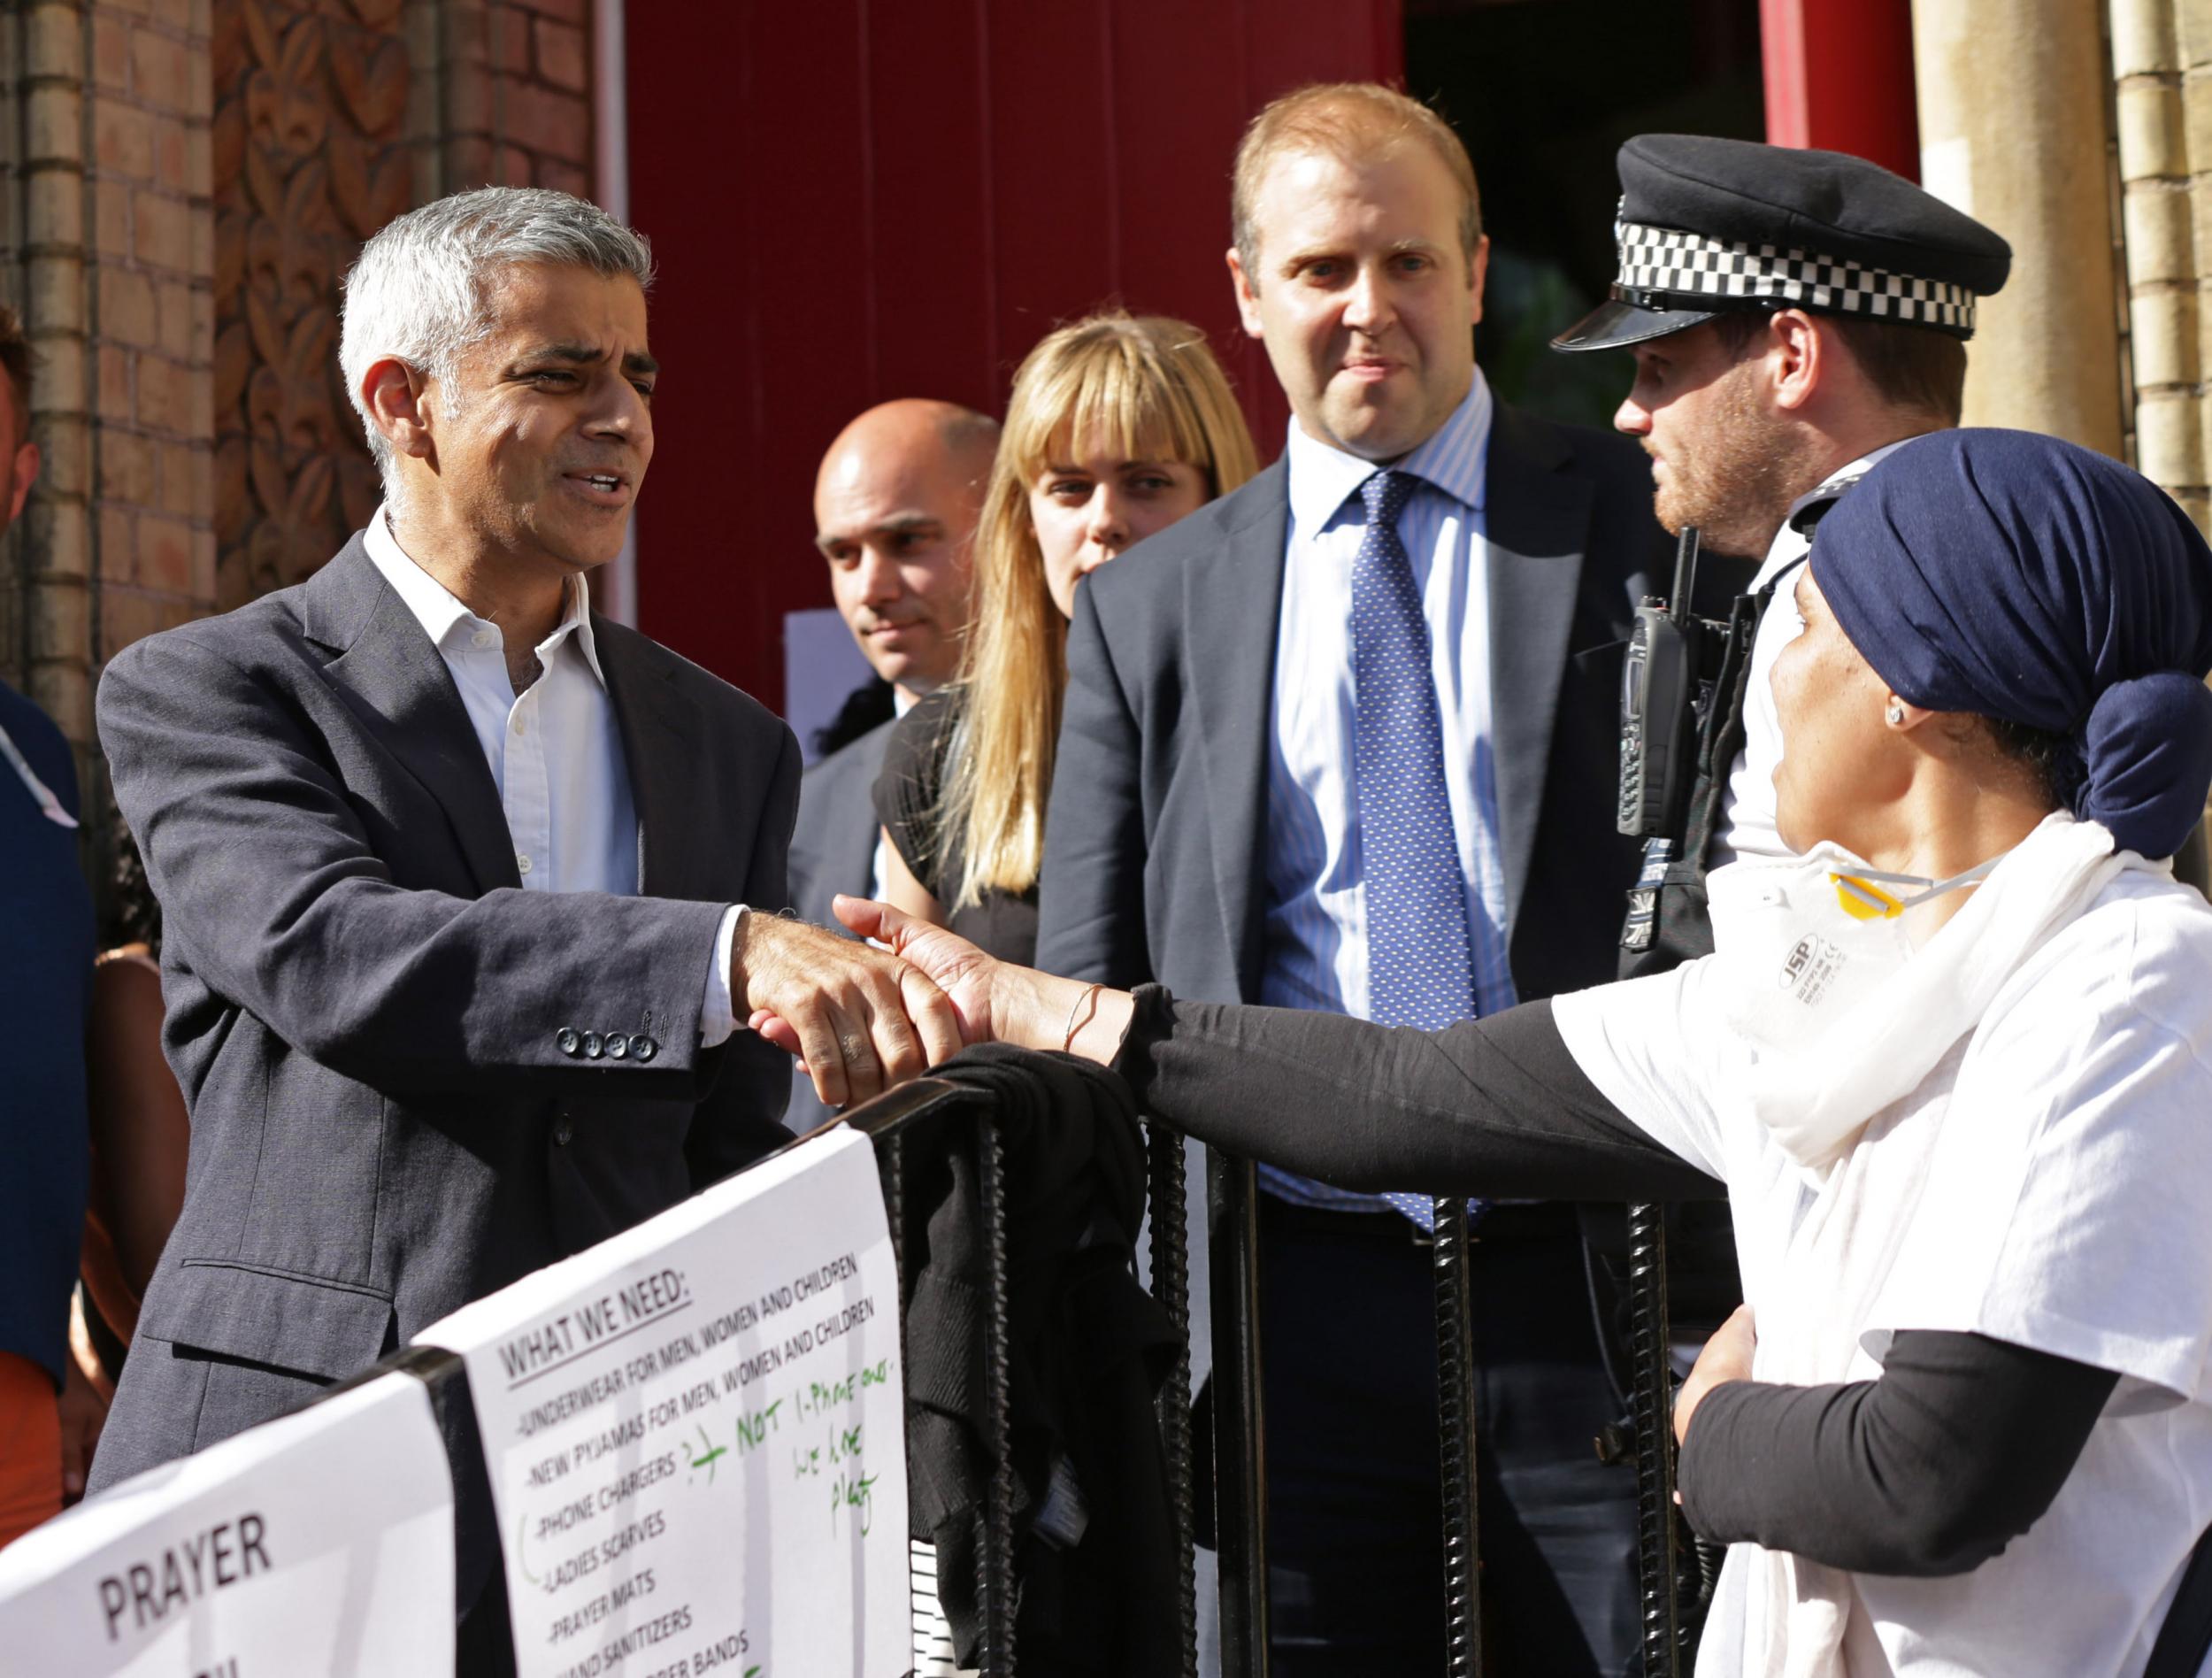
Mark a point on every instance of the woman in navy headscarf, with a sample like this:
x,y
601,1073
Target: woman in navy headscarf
x,y
1952,1065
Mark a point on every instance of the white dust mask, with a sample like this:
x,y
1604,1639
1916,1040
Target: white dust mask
x,y
1806,940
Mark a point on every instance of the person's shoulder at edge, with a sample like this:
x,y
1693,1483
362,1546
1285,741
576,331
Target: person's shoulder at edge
x,y
41,741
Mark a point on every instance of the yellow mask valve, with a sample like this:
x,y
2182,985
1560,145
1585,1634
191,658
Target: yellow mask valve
x,y
1863,900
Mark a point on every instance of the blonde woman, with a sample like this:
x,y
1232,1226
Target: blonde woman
x,y
1119,426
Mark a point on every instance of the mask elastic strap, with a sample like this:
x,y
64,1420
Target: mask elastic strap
x,y
1863,900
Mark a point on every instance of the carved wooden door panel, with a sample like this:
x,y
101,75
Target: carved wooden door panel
x,y
309,159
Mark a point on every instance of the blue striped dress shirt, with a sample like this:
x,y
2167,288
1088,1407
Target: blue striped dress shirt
x,y
1316,926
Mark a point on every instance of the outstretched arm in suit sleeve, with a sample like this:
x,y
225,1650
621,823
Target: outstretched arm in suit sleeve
x,y
1090,917
273,893
738,1124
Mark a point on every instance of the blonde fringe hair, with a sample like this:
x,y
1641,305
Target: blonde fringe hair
x,y
1142,386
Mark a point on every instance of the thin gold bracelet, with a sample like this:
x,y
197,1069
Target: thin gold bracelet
x,y
1067,1043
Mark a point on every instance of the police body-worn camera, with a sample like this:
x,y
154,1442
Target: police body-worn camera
x,y
1672,655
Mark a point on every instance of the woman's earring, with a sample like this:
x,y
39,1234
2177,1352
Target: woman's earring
x,y
1896,714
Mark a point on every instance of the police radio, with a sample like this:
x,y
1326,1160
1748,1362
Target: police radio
x,y
1660,682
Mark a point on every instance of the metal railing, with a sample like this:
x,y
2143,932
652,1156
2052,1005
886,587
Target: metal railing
x,y
1239,1489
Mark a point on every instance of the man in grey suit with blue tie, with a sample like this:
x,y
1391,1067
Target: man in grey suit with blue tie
x,y
1346,740
459,879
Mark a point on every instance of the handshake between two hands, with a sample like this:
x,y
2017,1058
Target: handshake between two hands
x,y
862,1021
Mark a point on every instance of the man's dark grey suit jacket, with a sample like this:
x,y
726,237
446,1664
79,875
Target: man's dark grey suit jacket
x,y
834,850
1155,866
365,1008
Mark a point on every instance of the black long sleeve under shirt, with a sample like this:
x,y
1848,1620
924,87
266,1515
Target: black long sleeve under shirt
x,y
1932,1469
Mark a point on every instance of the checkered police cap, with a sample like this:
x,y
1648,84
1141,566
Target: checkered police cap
x,y
1674,268
1708,226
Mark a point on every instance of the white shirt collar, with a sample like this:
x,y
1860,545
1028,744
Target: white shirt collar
x,y
1453,459
1790,544
451,627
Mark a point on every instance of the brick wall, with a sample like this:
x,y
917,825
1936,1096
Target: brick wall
x,y
113,275
505,87
151,332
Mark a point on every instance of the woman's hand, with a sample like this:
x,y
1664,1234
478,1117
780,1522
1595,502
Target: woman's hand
x,y
993,1001
1726,1357
960,971
963,973
864,1021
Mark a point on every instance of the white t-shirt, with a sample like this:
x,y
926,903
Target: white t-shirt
x,y
2065,1204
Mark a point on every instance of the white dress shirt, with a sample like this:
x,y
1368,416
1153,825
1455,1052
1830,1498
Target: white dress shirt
x,y
1316,933
554,750
1748,821
879,863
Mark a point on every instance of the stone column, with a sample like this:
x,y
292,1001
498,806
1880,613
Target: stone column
x,y
2013,130
116,265
45,604
2161,68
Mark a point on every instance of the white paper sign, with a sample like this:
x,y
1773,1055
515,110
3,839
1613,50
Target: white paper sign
x,y
321,1543
696,1436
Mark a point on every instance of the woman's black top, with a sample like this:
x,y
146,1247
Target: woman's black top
x,y
910,792
1932,1469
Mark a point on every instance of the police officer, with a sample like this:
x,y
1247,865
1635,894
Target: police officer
x,y
1795,316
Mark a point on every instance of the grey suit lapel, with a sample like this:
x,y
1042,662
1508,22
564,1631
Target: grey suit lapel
x,y
396,681
1232,602
854,828
1538,520
660,740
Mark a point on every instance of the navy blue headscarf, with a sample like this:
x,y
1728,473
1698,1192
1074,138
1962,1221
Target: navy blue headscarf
x,y
2019,577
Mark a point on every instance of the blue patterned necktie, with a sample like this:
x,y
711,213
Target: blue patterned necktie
x,y
1418,969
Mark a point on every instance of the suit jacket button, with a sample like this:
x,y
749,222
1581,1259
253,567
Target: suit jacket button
x,y
593,1047
618,1045
569,1041
562,1132
644,1048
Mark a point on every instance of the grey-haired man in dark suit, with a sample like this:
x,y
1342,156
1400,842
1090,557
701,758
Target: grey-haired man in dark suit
x,y
456,875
